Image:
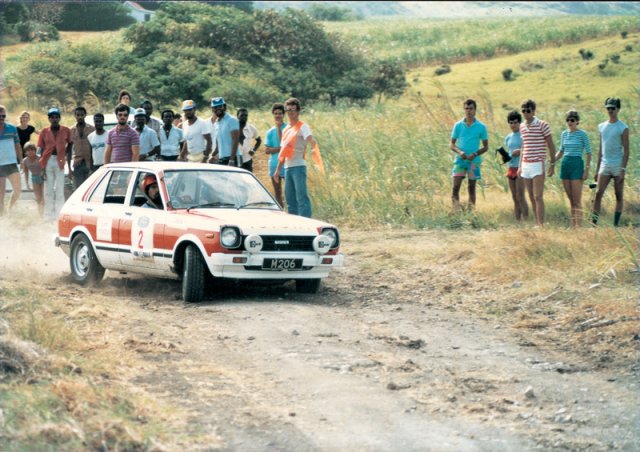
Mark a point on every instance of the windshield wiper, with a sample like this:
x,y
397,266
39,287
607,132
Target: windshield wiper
x,y
212,204
258,203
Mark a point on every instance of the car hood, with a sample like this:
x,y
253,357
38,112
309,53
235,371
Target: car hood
x,y
259,221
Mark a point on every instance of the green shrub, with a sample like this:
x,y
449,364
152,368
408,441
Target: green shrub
x,y
615,58
46,33
628,48
24,30
624,34
507,74
586,54
444,69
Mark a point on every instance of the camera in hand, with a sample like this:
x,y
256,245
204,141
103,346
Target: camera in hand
x,y
592,185
504,154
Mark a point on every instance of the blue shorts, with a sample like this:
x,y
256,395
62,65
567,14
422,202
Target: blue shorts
x,y
37,179
571,168
462,168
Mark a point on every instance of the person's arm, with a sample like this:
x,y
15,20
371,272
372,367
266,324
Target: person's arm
x,y
25,170
625,155
235,138
68,155
207,149
456,149
256,146
135,152
107,154
482,150
552,154
276,174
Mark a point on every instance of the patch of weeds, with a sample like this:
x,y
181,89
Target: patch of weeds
x,y
628,48
586,54
444,69
530,66
615,58
624,34
508,75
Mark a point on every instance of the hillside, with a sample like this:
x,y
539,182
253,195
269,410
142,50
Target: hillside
x,y
441,9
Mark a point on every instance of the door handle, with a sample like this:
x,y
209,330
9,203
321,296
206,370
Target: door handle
x,y
89,209
128,214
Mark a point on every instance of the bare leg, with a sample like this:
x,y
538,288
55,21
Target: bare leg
x,y
619,190
471,187
528,183
516,202
566,183
576,203
277,189
455,193
538,194
603,181
37,191
3,191
522,202
14,179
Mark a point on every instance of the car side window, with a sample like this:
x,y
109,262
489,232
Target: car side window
x,y
117,188
138,198
97,197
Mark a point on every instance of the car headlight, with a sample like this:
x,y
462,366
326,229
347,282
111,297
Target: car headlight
x,y
333,235
230,237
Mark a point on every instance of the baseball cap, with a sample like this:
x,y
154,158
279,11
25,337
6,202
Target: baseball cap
x,y
139,112
217,101
612,102
188,105
53,111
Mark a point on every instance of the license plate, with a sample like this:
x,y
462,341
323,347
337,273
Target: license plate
x,y
282,264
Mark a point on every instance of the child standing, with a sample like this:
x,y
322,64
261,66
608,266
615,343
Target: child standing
x,y
513,142
31,164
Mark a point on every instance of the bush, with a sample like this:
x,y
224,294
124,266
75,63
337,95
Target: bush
x,y
615,58
628,48
24,30
586,54
46,33
331,13
507,74
603,65
444,69
624,34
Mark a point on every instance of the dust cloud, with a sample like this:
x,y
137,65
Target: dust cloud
x,y
27,248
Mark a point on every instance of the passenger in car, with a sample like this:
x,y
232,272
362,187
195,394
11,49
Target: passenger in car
x,y
149,186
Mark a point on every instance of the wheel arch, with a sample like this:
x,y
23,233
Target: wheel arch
x,y
180,248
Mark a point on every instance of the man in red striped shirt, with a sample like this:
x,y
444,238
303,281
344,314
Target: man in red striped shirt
x,y
536,137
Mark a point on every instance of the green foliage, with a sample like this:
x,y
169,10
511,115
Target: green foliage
x,y
586,54
321,11
24,29
507,74
389,79
14,12
419,41
94,16
444,69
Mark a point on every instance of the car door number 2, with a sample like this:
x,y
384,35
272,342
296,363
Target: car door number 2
x,y
142,238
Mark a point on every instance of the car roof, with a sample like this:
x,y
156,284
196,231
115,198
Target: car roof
x,y
169,166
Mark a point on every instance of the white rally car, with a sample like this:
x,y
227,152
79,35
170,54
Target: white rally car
x,y
212,221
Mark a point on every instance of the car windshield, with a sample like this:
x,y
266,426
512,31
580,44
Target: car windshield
x,y
188,189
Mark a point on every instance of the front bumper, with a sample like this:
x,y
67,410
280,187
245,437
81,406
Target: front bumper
x,y
222,265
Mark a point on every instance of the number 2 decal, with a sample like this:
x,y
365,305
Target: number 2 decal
x,y
140,236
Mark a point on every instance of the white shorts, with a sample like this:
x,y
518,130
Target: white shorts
x,y
610,170
196,158
529,170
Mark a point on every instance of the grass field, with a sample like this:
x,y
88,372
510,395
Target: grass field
x,y
420,41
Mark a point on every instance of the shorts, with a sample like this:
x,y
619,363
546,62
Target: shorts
x,y
8,170
272,171
168,158
529,170
37,179
512,172
195,158
610,170
463,167
572,168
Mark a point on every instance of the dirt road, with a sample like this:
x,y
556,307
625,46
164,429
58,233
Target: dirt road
x,y
366,364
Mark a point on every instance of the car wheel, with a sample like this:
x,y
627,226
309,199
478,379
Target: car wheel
x,y
193,275
85,268
307,285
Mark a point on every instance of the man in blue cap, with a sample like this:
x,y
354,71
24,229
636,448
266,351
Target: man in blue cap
x,y
52,146
226,131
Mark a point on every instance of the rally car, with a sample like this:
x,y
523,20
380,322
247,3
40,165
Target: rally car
x,y
208,222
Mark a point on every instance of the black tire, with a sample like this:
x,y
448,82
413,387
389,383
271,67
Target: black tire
x,y
307,285
193,275
85,268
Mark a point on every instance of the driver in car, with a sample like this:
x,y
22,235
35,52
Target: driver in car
x,y
149,186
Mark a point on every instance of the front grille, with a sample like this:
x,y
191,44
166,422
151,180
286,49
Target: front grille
x,y
287,243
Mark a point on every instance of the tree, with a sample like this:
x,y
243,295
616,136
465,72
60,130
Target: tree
x,y
94,16
389,79
46,13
